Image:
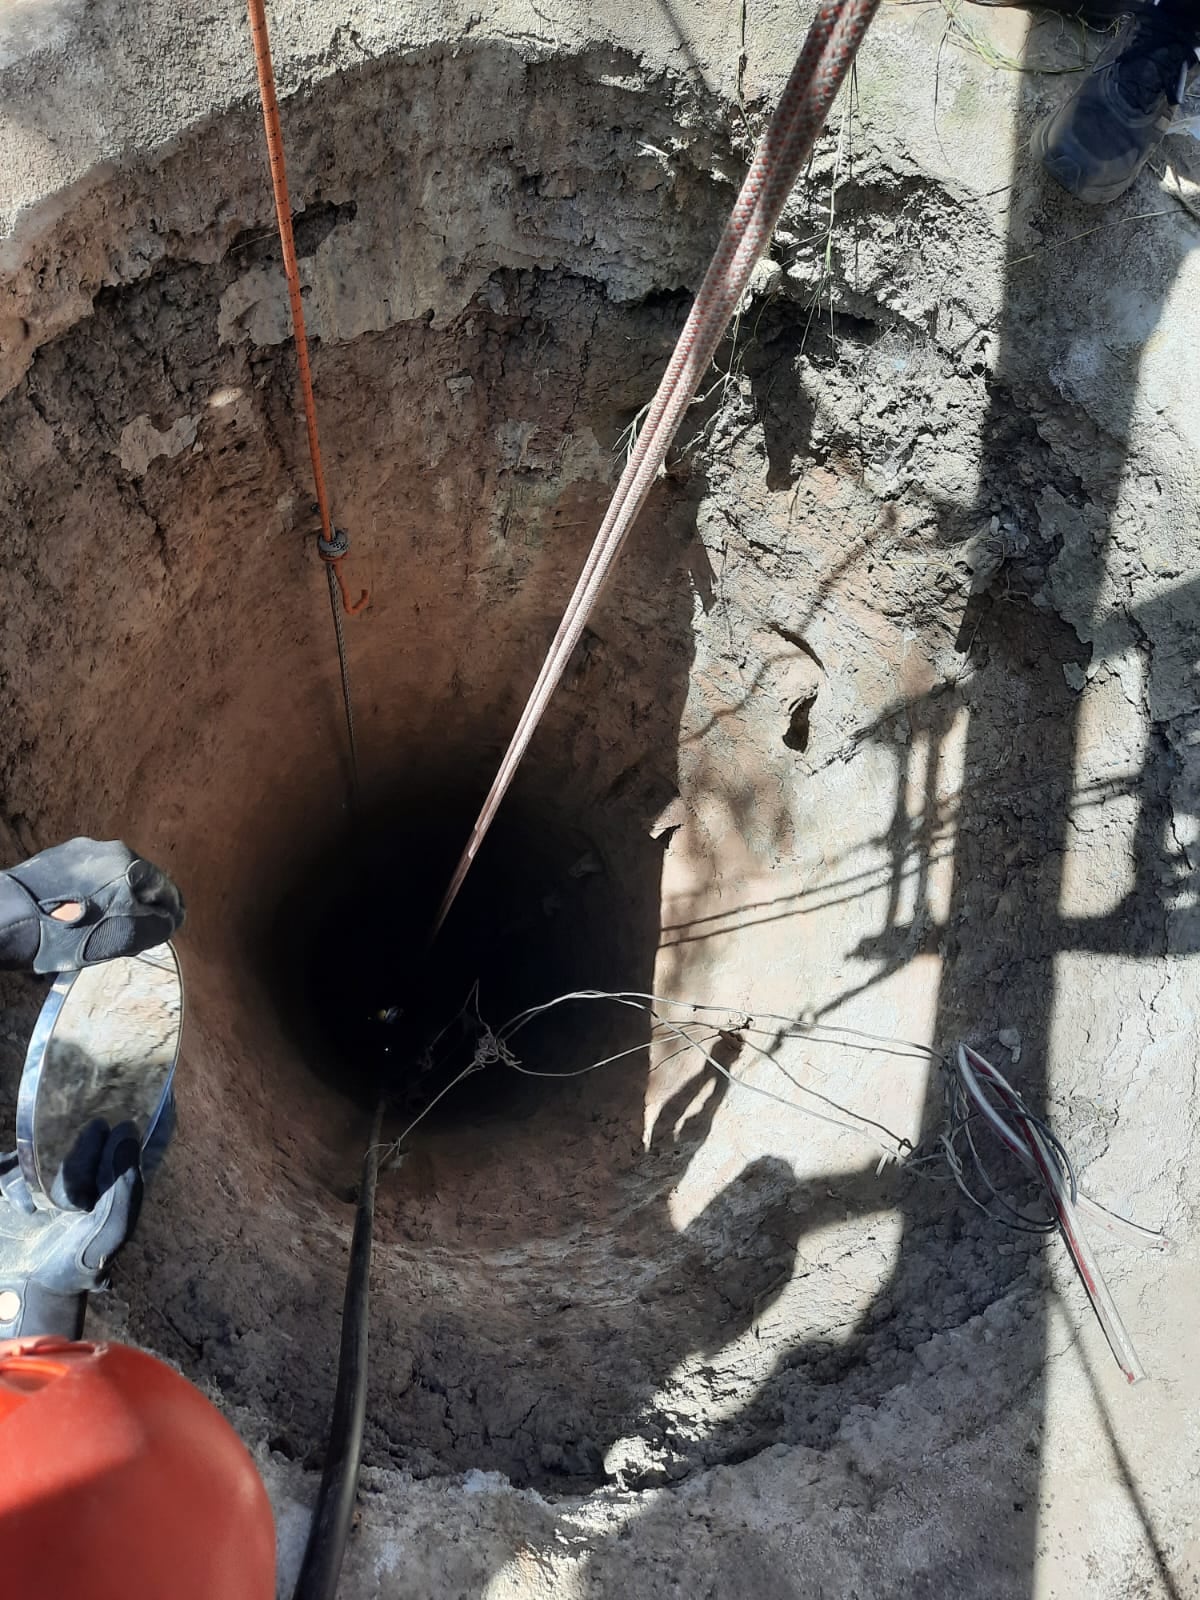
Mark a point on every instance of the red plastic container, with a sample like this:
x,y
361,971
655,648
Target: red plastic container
x,y
119,1481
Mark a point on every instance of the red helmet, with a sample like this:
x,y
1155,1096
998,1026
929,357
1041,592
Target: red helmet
x,y
119,1479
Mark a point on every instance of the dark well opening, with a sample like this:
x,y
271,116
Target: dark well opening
x,y
551,905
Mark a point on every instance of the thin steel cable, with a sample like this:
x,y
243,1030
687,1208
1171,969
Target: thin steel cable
x,y
825,58
344,671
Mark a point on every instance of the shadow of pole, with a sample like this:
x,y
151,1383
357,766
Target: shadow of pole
x,y
1007,925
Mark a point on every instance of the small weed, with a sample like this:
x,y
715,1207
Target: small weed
x,y
961,31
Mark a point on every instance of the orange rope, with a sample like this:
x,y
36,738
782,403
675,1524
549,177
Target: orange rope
x,y
283,215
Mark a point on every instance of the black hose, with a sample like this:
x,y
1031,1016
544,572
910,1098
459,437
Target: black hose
x,y
339,1481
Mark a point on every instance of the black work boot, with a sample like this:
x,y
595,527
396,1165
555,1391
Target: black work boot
x,y
1097,143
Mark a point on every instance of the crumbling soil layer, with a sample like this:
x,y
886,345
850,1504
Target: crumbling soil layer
x,y
886,722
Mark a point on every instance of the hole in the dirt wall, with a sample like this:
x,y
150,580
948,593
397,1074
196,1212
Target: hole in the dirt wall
x,y
376,1008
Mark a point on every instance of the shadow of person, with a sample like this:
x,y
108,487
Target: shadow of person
x,y
729,1262
688,1291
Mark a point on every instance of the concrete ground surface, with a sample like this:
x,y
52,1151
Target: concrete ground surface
x,y
888,721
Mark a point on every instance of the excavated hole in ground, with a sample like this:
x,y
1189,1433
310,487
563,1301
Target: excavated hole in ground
x,y
542,913
545,1304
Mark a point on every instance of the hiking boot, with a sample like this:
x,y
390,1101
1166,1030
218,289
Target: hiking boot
x,y
1096,144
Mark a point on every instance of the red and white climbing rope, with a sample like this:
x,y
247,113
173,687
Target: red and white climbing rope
x,y
825,59
1031,1142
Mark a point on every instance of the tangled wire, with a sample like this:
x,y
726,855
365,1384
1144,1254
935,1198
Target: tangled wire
x,y
978,1099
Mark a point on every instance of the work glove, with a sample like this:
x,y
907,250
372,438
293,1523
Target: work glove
x,y
127,905
51,1259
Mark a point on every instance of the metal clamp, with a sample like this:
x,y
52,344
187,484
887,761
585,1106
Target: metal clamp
x,y
333,549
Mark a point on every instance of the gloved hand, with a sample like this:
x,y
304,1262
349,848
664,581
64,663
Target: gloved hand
x,y
51,1259
125,905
